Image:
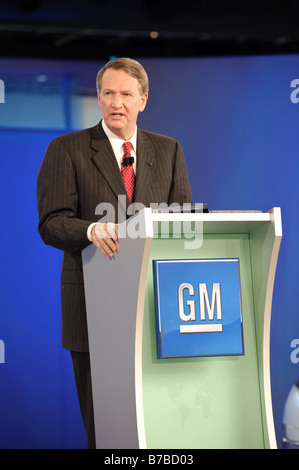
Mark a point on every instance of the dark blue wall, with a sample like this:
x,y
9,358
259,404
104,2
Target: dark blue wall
x,y
239,131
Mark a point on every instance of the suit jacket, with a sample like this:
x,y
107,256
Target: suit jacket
x,y
78,172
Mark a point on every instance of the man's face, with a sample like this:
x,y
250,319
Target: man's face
x,y
121,101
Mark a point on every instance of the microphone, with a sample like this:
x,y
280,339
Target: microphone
x,y
128,161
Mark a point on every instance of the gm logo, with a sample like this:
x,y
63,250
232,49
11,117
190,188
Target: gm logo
x,y
198,308
204,304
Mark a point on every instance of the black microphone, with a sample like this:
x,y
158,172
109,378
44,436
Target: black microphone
x,y
128,161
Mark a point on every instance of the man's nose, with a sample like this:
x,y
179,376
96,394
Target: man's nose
x,y
117,101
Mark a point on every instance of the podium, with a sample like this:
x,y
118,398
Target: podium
x,y
202,401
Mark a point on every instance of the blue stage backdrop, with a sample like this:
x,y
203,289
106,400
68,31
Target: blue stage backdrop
x,y
237,119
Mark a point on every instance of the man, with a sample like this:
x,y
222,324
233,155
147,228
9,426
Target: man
x,y
83,169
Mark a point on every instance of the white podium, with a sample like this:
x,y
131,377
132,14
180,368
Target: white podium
x,y
141,401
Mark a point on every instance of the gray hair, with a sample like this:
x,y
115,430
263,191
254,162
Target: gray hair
x,y
131,67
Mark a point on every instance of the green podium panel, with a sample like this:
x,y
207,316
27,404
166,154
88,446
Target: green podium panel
x,y
210,401
216,402
188,402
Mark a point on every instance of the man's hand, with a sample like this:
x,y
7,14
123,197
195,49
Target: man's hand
x,y
105,238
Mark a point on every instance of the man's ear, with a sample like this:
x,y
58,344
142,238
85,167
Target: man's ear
x,y
143,102
99,99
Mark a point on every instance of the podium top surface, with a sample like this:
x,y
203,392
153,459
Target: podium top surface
x,y
225,221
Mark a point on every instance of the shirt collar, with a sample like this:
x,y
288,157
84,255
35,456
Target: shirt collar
x,y
117,141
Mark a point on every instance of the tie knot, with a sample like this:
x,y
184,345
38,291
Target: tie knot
x,y
127,148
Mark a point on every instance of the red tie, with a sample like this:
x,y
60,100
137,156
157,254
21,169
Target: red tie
x,y
127,170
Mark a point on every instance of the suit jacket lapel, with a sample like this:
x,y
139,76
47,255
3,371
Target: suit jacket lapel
x,y
105,161
145,165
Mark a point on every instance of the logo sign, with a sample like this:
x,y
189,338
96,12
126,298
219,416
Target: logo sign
x,y
198,307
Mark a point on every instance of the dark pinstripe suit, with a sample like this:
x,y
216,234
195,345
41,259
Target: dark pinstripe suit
x,y
80,171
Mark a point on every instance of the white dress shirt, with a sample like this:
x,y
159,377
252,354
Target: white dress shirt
x,y
117,143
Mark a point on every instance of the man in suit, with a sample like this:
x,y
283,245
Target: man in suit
x,y
83,169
